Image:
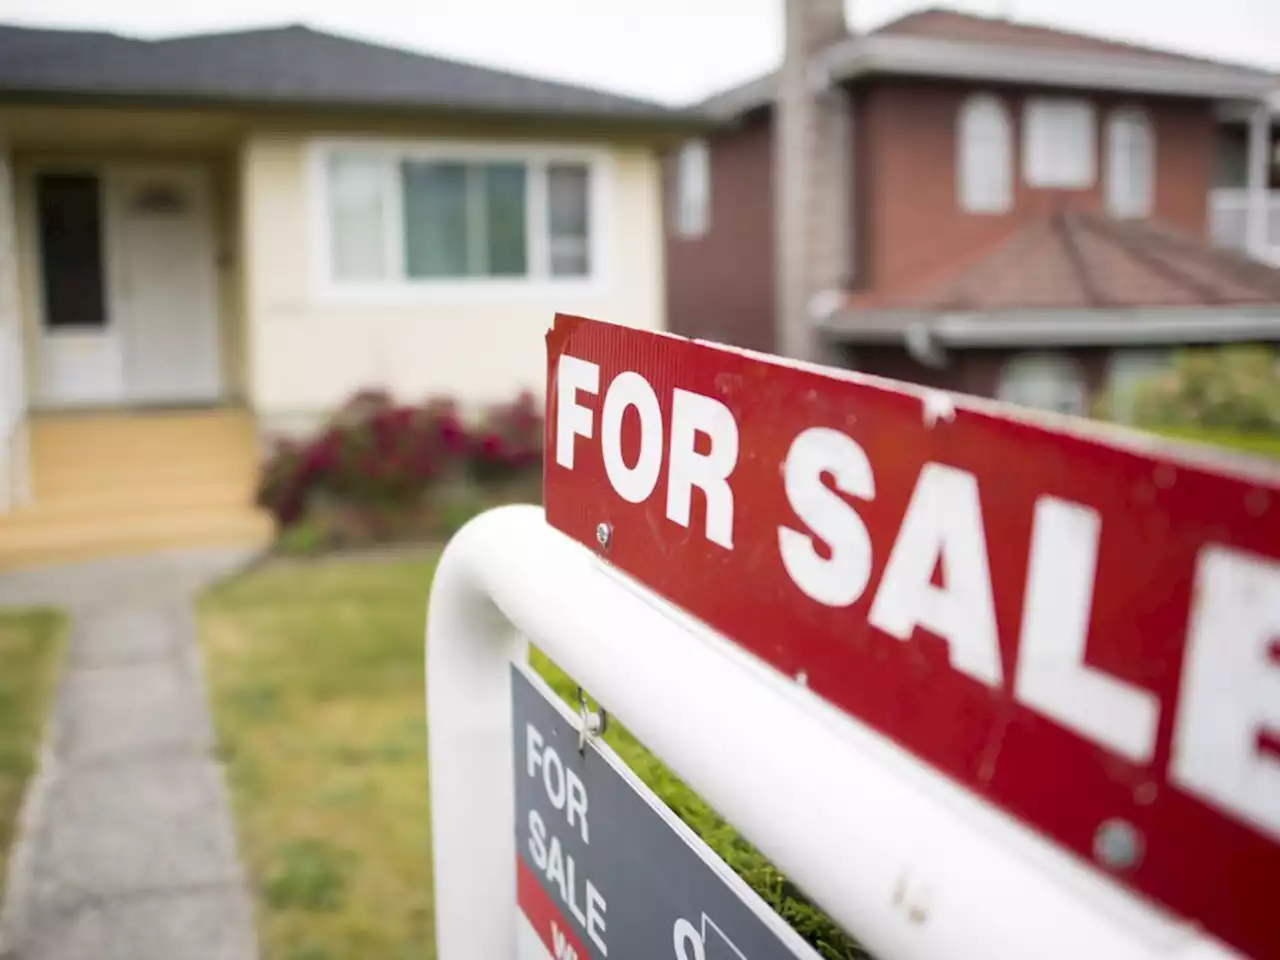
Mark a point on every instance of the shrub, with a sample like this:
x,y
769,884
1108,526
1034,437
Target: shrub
x,y
509,441
376,462
1233,388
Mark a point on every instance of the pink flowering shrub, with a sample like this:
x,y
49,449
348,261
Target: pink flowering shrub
x,y
387,457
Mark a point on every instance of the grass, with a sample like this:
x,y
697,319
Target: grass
x,y
31,644
1259,444
316,677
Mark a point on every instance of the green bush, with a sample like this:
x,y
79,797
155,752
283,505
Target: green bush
x,y
1234,388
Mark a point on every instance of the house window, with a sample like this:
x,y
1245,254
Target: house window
x,y
1044,381
1058,143
1131,166
357,217
984,163
693,189
1128,372
436,216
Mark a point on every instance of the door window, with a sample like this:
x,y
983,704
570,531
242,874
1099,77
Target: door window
x,y
69,217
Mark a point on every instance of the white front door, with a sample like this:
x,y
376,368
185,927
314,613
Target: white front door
x,y
165,286
80,358
129,284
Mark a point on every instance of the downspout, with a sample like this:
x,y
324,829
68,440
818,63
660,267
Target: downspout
x,y
923,347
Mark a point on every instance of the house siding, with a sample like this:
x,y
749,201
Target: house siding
x,y
308,352
720,285
912,223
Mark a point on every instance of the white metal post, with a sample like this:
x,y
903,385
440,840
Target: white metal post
x,y
1259,150
912,865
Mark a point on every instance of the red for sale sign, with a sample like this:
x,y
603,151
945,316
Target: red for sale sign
x,y
1081,632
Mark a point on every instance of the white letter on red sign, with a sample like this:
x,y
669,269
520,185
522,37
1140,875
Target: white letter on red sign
x,y
943,523
1230,696
633,484
1052,675
691,414
572,419
839,580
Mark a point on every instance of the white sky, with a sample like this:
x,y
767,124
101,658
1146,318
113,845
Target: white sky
x,y
670,50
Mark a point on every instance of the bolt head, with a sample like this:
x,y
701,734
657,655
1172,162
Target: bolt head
x,y
1117,845
604,533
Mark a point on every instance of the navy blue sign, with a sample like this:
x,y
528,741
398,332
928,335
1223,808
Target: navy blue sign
x,y
606,871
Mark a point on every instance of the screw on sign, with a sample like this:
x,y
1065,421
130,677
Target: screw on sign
x,y
1079,628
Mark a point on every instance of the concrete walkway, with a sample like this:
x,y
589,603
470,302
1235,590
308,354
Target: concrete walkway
x,y
125,849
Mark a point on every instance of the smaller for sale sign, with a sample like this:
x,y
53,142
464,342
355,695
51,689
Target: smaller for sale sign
x,y
605,870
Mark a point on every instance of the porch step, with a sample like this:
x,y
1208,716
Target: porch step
x,y
133,502
121,483
72,539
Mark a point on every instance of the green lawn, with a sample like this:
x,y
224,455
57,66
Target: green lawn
x,y
31,645
317,685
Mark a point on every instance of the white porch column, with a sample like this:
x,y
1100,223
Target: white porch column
x,y
14,485
1256,182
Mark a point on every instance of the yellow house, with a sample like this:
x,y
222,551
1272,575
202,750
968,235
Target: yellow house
x,y
211,240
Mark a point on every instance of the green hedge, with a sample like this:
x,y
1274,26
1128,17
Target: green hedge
x,y
787,901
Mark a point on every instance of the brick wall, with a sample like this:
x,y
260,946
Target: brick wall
x,y
909,217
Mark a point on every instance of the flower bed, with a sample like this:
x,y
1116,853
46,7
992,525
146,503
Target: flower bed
x,y
384,472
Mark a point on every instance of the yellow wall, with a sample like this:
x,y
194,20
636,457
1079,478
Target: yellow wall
x,y
308,351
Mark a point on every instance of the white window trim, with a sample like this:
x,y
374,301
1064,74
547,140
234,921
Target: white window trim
x,y
470,289
1029,171
1112,188
966,195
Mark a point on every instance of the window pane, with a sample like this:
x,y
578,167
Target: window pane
x,y
985,161
568,193
357,238
693,189
1130,165
435,219
1058,143
504,187
1045,382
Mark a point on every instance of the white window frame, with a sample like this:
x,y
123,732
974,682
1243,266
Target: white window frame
x,y
1074,383
1046,127
984,155
1130,191
692,199
539,284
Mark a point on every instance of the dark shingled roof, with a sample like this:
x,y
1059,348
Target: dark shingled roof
x,y
291,65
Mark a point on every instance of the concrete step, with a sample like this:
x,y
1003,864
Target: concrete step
x,y
63,540
122,502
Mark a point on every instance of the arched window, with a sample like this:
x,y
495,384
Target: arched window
x,y
693,189
1131,163
1045,381
984,162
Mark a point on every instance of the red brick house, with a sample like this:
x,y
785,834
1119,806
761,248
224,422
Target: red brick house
x,y
979,205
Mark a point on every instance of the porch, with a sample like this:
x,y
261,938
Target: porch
x,y
123,424
119,482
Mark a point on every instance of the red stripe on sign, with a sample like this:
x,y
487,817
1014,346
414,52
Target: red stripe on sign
x,y
556,934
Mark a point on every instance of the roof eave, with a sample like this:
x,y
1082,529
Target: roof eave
x,y
675,121
860,56
1061,328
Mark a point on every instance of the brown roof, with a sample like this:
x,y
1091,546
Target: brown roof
x,y
1077,260
942,24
